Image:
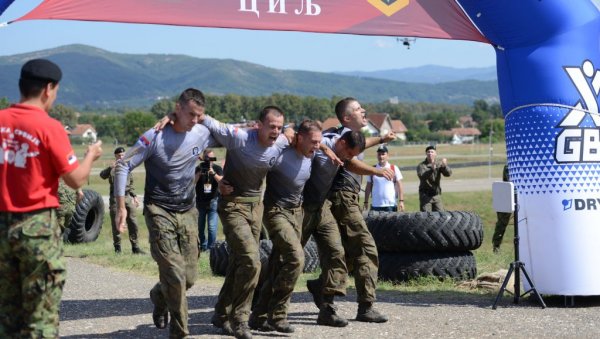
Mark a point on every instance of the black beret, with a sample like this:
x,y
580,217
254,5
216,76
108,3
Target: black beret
x,y
41,69
382,149
119,150
430,147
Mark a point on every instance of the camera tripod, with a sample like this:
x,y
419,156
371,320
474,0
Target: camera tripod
x,y
517,266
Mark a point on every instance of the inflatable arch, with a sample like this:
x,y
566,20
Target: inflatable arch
x,y
547,57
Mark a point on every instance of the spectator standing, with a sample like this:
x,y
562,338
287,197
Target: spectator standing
x,y
35,153
503,219
131,204
208,175
430,173
387,195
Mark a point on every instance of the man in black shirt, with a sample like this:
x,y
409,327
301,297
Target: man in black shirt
x,y
208,176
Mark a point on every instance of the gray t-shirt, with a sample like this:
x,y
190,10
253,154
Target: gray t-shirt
x,y
322,173
346,180
285,181
247,161
170,160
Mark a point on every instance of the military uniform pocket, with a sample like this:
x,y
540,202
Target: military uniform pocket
x,y
39,225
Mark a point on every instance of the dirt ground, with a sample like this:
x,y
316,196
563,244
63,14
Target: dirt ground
x,y
100,302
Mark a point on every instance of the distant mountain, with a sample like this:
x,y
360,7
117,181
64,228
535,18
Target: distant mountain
x,y
430,74
97,78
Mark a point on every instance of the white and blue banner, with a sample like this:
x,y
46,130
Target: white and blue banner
x,y
548,58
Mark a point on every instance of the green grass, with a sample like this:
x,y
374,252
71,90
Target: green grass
x,y
399,156
101,251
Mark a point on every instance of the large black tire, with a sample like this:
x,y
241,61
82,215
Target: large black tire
x,y
88,218
426,231
399,267
311,256
219,258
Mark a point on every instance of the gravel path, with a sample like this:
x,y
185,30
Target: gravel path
x,y
100,302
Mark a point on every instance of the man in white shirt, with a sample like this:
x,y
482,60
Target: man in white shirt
x,y
387,195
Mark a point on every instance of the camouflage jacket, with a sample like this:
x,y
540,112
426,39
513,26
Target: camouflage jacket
x,y
109,173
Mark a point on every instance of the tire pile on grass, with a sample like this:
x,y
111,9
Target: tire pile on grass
x,y
219,257
422,244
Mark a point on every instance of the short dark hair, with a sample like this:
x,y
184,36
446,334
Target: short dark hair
x,y
32,88
269,109
119,150
354,139
192,94
342,106
206,151
308,126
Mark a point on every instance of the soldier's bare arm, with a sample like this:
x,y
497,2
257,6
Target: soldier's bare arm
x,y
359,167
78,177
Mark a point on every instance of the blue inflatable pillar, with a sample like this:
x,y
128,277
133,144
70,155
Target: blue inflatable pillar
x,y
548,54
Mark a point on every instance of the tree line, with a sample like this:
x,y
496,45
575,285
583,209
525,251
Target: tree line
x,y
424,121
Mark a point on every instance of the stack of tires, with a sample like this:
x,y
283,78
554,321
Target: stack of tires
x,y
421,244
219,257
87,219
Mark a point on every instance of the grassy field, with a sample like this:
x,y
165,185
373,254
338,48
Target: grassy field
x,y
403,156
101,251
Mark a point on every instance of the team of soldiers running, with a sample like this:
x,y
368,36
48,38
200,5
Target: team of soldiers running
x,y
312,189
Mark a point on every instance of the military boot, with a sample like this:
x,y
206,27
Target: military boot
x,y
259,323
367,314
281,325
314,287
118,249
327,314
222,323
136,250
160,315
242,331
160,319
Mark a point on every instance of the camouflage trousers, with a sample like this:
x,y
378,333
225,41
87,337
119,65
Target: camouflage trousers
x,y
68,203
174,246
431,203
32,274
320,223
285,262
132,226
361,253
501,223
241,225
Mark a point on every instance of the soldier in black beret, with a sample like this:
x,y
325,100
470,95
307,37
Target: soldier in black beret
x,y
35,153
430,173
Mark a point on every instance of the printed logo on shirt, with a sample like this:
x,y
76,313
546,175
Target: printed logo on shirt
x,y
14,151
196,151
